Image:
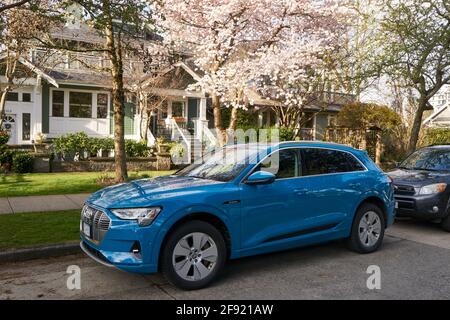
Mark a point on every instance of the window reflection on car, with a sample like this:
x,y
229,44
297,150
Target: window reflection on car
x,y
222,165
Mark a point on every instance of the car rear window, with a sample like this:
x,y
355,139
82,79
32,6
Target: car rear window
x,y
325,161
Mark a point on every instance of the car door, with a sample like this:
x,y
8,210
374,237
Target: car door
x,y
270,211
336,181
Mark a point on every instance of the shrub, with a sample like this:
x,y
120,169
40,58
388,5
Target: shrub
x,y
177,150
4,137
107,143
72,143
22,163
136,149
5,153
359,115
94,145
6,156
78,143
245,119
437,136
285,134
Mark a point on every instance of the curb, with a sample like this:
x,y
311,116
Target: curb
x,y
40,252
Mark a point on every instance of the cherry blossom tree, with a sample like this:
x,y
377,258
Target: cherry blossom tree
x,y
240,45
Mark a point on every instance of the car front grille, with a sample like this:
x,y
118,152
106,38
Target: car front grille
x,y
98,220
404,190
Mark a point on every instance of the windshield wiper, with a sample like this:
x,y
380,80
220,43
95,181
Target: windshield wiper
x,y
198,177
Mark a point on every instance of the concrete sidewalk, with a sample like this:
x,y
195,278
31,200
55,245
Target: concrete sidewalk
x,y
42,203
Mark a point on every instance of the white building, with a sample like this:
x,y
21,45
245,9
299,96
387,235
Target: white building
x,y
441,105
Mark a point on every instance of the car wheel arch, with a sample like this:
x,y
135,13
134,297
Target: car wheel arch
x,y
375,200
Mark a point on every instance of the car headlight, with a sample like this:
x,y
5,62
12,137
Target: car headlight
x,y
144,216
433,188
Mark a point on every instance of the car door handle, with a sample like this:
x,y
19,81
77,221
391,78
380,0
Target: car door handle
x,y
300,192
355,185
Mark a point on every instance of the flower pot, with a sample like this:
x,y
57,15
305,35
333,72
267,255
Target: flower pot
x,y
163,148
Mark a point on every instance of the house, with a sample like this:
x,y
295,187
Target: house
x,y
67,92
441,104
63,95
319,114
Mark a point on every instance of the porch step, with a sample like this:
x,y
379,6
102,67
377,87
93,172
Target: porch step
x,y
196,148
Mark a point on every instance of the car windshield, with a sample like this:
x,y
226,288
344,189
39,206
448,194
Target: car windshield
x,y
431,159
222,165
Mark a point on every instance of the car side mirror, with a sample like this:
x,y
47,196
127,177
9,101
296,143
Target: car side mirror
x,y
260,177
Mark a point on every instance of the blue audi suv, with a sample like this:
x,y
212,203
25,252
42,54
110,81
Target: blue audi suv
x,y
242,200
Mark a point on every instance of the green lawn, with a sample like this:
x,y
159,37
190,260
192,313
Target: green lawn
x,y
31,184
19,230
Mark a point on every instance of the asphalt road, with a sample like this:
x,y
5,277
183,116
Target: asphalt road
x,y
414,263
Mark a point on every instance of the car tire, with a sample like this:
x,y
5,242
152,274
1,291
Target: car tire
x,y
367,229
445,223
184,262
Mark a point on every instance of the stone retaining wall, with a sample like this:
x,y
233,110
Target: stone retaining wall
x,y
43,164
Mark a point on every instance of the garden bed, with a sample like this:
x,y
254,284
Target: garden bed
x,y
42,164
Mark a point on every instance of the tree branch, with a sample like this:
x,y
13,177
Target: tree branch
x,y
13,5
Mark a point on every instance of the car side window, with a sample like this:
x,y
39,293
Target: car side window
x,y
283,164
324,161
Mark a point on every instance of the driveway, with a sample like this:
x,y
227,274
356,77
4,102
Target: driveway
x,y
414,264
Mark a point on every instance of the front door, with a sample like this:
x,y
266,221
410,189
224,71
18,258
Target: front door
x,y
192,112
271,212
9,125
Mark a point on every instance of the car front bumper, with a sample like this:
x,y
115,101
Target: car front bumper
x,y
422,206
125,245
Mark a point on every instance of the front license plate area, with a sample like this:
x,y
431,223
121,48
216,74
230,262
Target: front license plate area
x,y
86,229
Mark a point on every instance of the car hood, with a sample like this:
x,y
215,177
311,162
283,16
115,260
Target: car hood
x,y
143,192
418,178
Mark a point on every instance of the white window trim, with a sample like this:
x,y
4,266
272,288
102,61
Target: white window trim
x,y
331,116
169,106
66,102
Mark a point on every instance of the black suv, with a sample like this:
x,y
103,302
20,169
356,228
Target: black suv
x,y
422,185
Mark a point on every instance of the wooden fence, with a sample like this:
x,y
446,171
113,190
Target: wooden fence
x,y
365,139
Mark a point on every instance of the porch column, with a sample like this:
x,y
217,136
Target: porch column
x,y
260,118
202,111
36,115
201,119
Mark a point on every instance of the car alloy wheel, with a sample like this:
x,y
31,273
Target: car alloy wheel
x,y
369,229
194,256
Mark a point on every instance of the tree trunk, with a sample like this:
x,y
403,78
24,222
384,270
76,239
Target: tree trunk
x,y
115,57
233,119
2,106
378,148
221,133
417,123
11,64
